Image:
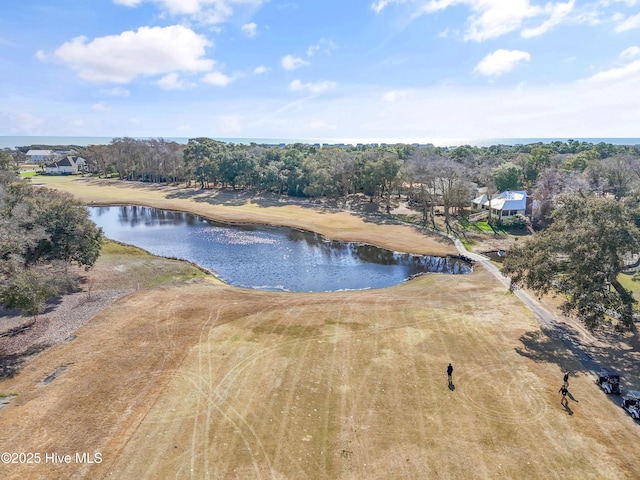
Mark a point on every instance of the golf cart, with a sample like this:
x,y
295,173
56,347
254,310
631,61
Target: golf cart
x,y
609,381
631,403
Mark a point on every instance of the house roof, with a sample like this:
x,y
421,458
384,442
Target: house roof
x,y
65,162
39,152
509,200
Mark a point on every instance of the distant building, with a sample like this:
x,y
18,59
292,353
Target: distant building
x,y
40,156
503,205
66,166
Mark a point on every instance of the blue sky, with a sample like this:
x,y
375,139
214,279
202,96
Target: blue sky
x,y
378,69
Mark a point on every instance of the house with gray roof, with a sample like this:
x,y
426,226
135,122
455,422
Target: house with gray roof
x,y
40,156
503,205
66,166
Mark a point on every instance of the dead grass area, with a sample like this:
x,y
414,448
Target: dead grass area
x,y
119,271
195,379
210,381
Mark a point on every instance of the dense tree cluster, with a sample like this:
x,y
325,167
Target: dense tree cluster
x,y
42,233
376,171
589,243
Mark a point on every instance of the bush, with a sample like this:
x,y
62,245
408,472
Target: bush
x,y
516,221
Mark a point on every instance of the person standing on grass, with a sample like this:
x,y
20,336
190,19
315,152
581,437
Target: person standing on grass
x,y
565,379
564,390
449,373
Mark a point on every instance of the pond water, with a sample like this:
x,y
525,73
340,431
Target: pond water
x,y
266,257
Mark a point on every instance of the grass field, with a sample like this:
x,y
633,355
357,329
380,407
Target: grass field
x,y
201,380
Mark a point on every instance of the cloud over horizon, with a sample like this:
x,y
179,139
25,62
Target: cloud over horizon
x,y
149,51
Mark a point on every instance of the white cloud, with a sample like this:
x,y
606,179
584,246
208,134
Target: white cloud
x,y
21,122
206,11
630,52
116,92
260,69
217,79
493,18
250,29
501,61
559,12
311,87
101,107
289,62
41,55
325,46
149,51
171,81
379,5
630,23
394,95
559,110
628,72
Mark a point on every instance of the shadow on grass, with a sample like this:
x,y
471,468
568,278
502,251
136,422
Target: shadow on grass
x,y
561,346
229,199
565,403
545,346
10,364
452,387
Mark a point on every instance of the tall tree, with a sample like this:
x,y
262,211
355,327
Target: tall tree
x,y
618,174
507,176
419,168
581,255
42,232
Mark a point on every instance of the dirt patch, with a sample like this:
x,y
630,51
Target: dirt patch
x,y
20,343
21,338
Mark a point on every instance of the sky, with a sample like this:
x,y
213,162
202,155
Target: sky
x,y
348,69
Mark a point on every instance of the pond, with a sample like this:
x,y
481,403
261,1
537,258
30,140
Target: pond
x,y
266,257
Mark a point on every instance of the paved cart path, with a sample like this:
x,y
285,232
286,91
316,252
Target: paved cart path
x,y
548,322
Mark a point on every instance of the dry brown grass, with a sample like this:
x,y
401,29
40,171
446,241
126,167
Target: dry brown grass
x,y
204,380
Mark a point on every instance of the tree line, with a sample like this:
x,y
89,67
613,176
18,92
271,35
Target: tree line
x,y
42,234
377,171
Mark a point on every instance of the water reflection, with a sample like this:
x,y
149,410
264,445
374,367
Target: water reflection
x,y
266,257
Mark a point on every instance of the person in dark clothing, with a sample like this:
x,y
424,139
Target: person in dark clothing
x,y
564,390
449,373
565,379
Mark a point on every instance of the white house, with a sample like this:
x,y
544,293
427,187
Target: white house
x,y
503,205
66,166
40,156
